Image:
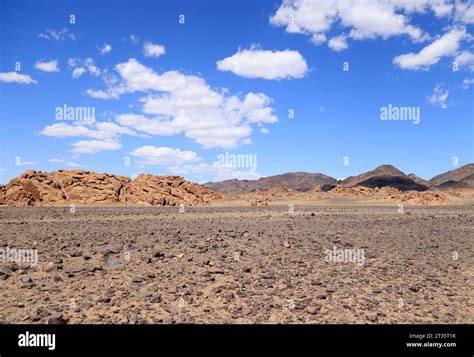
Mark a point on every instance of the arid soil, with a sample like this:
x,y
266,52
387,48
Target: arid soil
x,y
239,265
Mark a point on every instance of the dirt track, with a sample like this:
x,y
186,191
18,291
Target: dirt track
x,y
156,265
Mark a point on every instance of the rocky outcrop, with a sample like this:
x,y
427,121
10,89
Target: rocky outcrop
x,y
36,188
165,191
391,194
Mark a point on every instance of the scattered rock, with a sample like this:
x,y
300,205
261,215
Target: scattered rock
x,y
313,310
57,319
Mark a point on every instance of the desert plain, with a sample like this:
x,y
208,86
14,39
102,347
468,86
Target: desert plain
x,y
233,263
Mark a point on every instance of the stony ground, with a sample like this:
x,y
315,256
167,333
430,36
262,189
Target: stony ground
x,y
238,265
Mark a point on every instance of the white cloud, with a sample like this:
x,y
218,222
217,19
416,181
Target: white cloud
x,y
363,19
81,66
153,155
93,146
62,130
77,72
443,46
187,104
318,38
111,127
49,66
153,126
102,130
467,83
465,59
56,160
15,77
57,35
338,43
216,171
464,11
439,96
74,164
153,49
106,48
256,63
134,39
100,94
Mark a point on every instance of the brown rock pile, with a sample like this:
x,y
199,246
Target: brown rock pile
x,y
165,191
391,194
36,188
260,202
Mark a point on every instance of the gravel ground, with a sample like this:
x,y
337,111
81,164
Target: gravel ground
x,y
238,265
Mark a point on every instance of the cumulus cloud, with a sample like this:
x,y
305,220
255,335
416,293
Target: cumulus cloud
x,y
153,49
443,46
182,162
465,59
63,130
113,128
439,96
464,11
57,35
338,43
363,19
93,146
48,66
153,126
153,155
81,66
177,103
256,63
77,72
106,48
15,77
99,130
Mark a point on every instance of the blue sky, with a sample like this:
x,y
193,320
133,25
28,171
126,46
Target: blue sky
x,y
175,84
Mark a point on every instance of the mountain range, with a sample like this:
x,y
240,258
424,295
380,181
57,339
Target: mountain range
x,y
382,176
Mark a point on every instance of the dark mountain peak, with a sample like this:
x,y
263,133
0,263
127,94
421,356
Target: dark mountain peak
x,y
387,169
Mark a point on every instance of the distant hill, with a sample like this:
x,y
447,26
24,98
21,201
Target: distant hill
x,y
298,181
387,175
448,179
464,183
418,180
